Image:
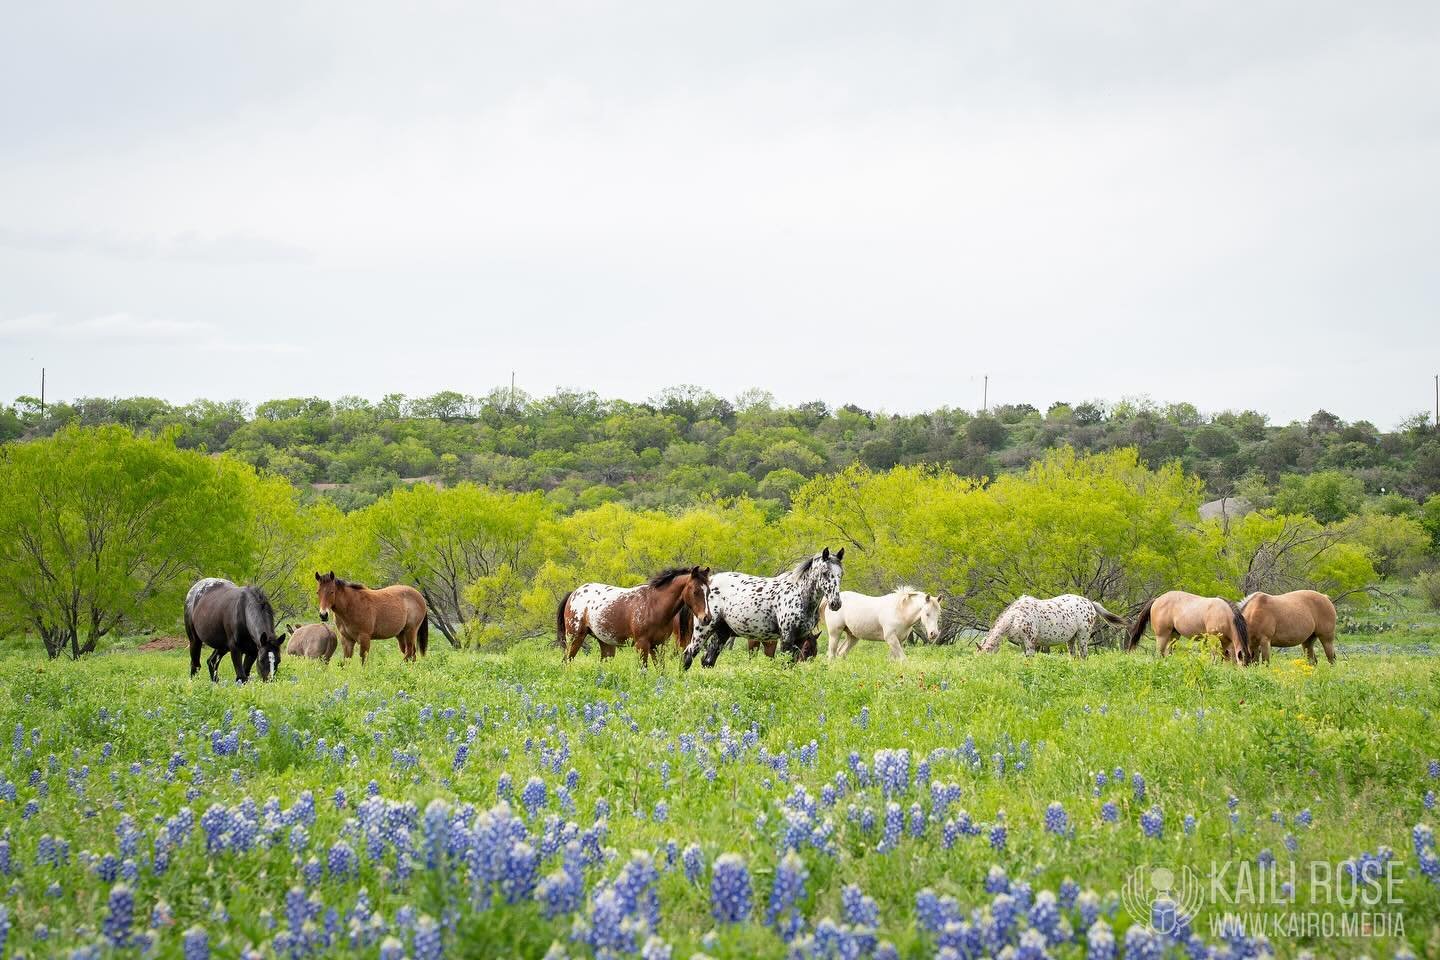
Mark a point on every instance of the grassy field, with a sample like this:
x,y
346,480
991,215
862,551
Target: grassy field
x,y
594,855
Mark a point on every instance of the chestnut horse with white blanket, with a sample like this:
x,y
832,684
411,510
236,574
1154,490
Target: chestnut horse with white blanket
x,y
1290,619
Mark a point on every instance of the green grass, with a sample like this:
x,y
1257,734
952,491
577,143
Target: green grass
x,y
1350,743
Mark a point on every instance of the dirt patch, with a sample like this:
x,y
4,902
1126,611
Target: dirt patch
x,y
163,643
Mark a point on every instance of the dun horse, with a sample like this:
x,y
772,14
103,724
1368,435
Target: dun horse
x,y
314,640
362,615
1288,620
1181,614
233,620
645,615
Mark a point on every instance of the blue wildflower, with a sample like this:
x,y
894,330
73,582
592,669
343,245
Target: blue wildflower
x,y
1056,820
730,889
1152,822
120,915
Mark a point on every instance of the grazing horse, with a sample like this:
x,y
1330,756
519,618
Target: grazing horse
x,y
889,618
784,608
1288,620
645,615
314,640
1036,624
362,615
233,620
1182,614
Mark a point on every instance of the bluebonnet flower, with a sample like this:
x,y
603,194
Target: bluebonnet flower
x,y
864,719
694,861
503,787
428,944
197,944
1189,824
533,796
662,811
1056,820
1429,800
917,820
313,872
787,890
1265,858
730,889
1137,783
1099,941
859,909
1143,944
1109,812
462,753
996,880
339,798
1291,843
1152,822
1068,892
997,836
120,915
894,824
392,949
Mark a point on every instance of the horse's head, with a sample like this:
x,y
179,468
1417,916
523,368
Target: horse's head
x,y
326,586
269,658
930,617
697,594
829,568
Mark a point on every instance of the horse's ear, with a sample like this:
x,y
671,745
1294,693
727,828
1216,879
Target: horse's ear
x,y
705,571
331,574
317,575
825,554
840,555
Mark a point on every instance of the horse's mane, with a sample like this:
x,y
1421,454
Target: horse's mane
x,y
668,574
351,585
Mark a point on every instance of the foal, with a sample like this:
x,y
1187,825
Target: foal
x,y
645,615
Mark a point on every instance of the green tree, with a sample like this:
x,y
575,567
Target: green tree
x,y
1329,496
99,529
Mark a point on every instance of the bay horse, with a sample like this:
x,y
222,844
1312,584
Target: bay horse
x,y
809,647
889,618
362,615
785,608
1289,619
1037,624
645,615
314,640
1182,614
234,620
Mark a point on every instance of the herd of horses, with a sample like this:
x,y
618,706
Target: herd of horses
x,y
705,611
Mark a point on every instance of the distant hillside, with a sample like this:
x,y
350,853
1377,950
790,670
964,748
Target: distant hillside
x,y
687,444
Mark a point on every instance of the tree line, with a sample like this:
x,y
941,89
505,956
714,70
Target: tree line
x,y
102,529
686,444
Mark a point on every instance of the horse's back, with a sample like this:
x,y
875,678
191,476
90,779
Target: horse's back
x,y
311,640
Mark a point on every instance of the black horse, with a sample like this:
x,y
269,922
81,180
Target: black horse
x,y
233,620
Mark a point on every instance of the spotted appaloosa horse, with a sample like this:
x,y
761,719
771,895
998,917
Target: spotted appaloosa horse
x,y
784,608
1036,624
645,615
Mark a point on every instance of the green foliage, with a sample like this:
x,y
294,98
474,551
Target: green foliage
x,y
1328,496
100,529
1397,544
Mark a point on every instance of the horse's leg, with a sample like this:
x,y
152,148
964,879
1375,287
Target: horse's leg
x,y
238,660
770,646
606,650
897,652
1327,640
194,655
1162,641
364,641
213,663
718,633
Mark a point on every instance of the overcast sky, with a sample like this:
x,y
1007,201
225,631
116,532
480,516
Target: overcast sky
x,y
1234,204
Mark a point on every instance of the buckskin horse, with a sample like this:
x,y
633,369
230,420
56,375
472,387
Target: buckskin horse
x,y
1291,619
1182,614
645,615
362,615
234,620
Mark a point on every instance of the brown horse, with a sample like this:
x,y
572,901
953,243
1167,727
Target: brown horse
x,y
1182,614
645,615
1289,620
808,648
362,615
314,640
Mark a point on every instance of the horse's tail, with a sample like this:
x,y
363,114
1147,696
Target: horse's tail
x,y
1113,618
1242,629
560,619
1137,629
422,636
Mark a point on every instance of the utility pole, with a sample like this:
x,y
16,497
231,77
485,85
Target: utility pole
x,y
512,389
42,393
1437,401
985,395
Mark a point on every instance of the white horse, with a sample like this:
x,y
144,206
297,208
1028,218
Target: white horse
x,y
1036,624
889,618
